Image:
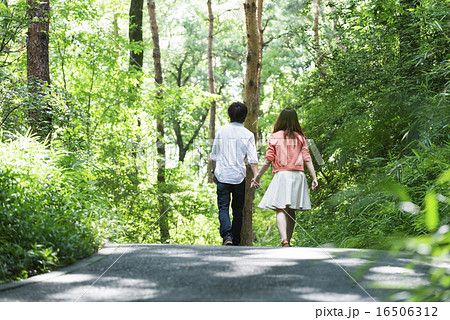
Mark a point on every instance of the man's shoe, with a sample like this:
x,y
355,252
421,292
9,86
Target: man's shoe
x,y
227,242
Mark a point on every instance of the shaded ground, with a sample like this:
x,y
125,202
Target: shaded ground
x,y
137,272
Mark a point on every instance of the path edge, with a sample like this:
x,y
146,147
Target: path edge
x,y
104,252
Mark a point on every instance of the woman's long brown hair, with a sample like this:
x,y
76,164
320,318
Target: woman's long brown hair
x,y
288,121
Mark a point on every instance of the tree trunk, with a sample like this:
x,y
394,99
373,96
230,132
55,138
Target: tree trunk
x,y
182,147
38,66
135,67
319,56
116,32
212,86
335,22
135,33
136,57
261,46
251,100
163,221
316,27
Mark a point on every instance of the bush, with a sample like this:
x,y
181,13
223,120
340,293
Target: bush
x,y
189,207
434,246
50,215
383,205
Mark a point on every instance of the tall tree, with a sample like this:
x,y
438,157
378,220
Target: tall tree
x,y
185,69
136,57
319,56
211,84
38,67
184,145
135,34
261,43
251,99
335,22
161,150
116,28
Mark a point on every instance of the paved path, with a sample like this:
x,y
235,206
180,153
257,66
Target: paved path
x,y
152,272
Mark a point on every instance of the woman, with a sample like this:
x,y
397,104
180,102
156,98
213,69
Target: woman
x,y
288,190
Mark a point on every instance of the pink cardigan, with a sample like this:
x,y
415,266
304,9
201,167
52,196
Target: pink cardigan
x,y
287,154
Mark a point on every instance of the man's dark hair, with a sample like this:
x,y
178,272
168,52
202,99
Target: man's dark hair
x,y
237,112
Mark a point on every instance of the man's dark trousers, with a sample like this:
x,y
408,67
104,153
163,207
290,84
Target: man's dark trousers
x,y
236,194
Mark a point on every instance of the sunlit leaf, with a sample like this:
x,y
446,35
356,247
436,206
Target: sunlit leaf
x,y
431,211
444,177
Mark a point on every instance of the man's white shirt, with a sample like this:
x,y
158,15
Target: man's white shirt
x,y
232,143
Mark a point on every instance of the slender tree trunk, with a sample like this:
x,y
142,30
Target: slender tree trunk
x,y
319,56
251,100
335,22
182,147
135,66
135,33
62,58
116,24
212,86
316,27
161,150
38,66
261,46
116,32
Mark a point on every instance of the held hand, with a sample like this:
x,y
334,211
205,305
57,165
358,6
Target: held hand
x,y
255,184
315,184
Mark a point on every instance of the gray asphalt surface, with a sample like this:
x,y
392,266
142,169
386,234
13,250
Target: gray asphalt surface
x,y
138,272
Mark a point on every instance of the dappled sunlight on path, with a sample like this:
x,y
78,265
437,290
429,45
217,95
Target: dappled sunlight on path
x,y
138,272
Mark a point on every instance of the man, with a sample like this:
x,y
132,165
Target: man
x,y
232,144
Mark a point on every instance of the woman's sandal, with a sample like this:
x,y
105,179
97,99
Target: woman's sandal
x,y
285,243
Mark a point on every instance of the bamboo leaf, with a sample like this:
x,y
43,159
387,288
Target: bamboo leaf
x,y
438,25
444,177
431,211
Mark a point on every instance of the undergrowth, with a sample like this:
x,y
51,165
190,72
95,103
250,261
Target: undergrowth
x,y
50,215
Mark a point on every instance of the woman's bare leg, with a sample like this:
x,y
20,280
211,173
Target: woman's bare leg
x,y
282,223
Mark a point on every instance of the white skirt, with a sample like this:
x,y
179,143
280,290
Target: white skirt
x,y
288,189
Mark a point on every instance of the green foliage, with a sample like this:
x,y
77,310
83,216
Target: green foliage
x,y
192,209
50,215
380,119
188,205
14,97
372,215
13,21
435,244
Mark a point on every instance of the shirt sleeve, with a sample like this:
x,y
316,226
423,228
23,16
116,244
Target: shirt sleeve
x,y
252,156
216,147
305,151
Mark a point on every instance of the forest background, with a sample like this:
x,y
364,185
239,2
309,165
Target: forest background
x,y
103,150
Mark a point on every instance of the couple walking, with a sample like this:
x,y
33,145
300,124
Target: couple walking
x,y
288,153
